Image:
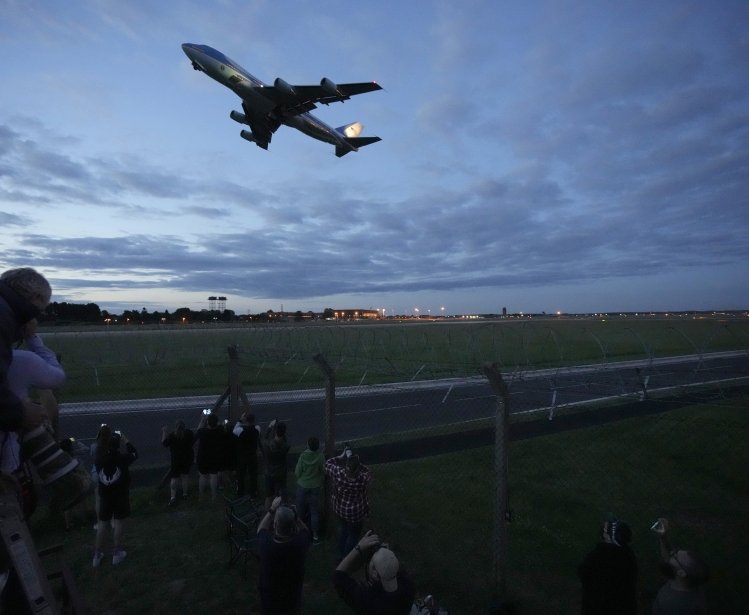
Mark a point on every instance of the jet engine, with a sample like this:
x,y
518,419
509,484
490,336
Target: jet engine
x,y
238,117
248,136
284,88
330,88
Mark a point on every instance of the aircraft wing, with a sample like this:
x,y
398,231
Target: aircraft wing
x,y
296,99
262,130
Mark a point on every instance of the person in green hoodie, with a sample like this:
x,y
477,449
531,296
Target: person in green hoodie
x,y
309,476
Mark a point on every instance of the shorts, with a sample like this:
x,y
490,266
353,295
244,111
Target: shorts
x,y
178,469
114,503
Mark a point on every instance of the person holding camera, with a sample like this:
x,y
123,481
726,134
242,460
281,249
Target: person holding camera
x,y
248,438
609,573
275,453
210,453
24,295
35,367
387,590
283,542
114,455
350,501
687,574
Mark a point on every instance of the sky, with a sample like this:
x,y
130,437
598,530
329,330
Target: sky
x,y
539,156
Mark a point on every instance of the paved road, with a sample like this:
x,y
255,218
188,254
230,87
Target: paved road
x,y
412,406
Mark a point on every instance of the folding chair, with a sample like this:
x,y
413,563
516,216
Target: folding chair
x,y
242,519
238,507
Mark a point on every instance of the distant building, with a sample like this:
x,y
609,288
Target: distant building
x,y
504,312
356,314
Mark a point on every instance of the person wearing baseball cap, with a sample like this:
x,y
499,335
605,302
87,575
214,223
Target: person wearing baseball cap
x,y
387,589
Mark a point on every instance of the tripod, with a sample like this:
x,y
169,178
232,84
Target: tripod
x,y
19,555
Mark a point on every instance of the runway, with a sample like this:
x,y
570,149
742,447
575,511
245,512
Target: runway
x,y
371,410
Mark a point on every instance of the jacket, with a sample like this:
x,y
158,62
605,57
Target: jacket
x,y
309,469
14,312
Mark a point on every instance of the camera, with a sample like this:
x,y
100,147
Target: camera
x,y
660,526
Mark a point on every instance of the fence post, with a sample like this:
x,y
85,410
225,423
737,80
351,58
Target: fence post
x,y
234,389
502,504
329,422
329,427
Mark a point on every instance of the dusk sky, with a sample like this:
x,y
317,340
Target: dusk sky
x,y
538,156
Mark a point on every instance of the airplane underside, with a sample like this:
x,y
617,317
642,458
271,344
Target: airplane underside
x,y
268,107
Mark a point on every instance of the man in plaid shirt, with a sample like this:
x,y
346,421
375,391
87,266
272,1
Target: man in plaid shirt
x,y
350,480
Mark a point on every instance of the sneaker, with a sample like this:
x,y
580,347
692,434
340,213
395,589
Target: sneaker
x,y
315,540
172,503
118,556
98,556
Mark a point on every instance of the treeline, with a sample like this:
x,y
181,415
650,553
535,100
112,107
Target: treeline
x,y
71,313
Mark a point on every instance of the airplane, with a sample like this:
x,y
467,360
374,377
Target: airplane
x,y
266,107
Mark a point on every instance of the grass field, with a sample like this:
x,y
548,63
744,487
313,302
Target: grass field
x,y
688,464
130,362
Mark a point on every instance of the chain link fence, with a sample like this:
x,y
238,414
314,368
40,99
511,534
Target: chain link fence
x,y
483,507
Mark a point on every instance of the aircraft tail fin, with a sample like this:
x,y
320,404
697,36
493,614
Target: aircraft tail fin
x,y
355,143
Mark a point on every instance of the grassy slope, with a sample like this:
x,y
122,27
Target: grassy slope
x,y
688,465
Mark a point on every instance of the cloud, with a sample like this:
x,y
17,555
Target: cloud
x,y
524,147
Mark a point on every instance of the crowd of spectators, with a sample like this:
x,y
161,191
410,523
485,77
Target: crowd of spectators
x,y
368,576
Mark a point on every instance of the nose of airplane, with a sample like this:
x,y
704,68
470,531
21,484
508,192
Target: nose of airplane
x,y
190,49
193,52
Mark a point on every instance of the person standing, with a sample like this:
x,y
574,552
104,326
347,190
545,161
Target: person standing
x,y
24,295
210,441
310,473
609,573
114,455
181,455
248,437
283,542
350,501
275,453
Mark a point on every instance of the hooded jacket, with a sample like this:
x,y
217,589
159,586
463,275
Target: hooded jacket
x,y
14,312
309,469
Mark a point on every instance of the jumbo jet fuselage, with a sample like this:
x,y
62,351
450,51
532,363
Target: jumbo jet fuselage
x,y
261,106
